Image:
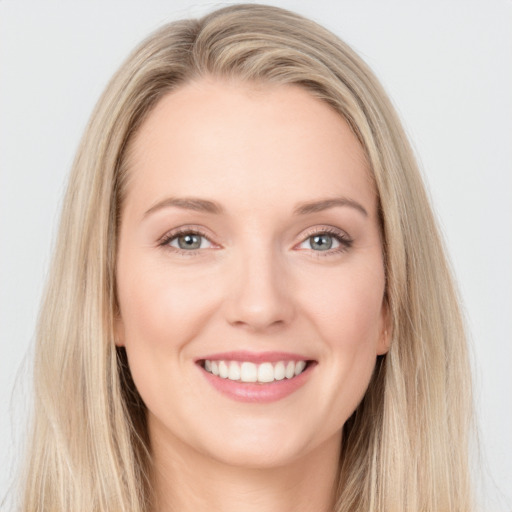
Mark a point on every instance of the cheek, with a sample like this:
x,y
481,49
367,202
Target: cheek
x,y
349,316
159,307
161,311
348,307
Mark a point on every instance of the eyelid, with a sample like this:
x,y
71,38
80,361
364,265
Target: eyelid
x,y
163,241
343,239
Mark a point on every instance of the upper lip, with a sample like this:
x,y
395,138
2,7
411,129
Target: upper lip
x,y
254,357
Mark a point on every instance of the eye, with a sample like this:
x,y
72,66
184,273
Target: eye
x,y
186,241
328,241
322,242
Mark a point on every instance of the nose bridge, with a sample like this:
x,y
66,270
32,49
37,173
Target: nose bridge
x,y
261,296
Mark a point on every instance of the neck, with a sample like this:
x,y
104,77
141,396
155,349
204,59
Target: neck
x,y
188,481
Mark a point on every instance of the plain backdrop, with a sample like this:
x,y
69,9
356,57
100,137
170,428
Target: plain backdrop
x,y
447,66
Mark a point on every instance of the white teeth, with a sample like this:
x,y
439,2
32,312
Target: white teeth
x,y
234,371
299,367
250,372
279,371
265,372
290,370
223,369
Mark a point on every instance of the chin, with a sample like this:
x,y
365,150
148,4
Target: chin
x,y
262,444
247,454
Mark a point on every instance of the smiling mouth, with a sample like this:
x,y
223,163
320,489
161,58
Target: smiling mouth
x,y
249,372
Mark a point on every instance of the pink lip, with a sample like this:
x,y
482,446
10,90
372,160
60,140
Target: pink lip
x,y
256,392
254,357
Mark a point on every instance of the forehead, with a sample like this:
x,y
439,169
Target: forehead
x,y
230,139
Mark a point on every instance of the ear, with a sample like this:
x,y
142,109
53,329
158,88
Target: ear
x,y
386,330
119,330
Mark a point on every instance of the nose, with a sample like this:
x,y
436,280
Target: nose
x,y
261,294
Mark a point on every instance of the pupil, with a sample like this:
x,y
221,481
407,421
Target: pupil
x,y
189,241
322,242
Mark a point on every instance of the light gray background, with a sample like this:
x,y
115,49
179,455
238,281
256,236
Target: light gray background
x,y
448,68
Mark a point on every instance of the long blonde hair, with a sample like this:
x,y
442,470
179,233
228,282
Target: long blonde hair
x,y
406,446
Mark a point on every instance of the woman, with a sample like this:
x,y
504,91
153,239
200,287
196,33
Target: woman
x,y
249,306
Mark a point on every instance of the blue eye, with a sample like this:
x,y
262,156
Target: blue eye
x,y
323,242
320,242
186,241
327,242
189,241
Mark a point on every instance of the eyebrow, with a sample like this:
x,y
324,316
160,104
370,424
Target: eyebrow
x,y
187,203
324,204
207,206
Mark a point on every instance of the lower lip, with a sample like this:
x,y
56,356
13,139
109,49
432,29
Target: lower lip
x,y
255,392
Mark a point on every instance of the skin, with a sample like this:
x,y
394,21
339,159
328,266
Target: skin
x,y
256,283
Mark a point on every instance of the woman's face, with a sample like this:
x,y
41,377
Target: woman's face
x,y
249,245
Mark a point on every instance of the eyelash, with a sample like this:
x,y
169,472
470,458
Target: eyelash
x,y
342,238
167,238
